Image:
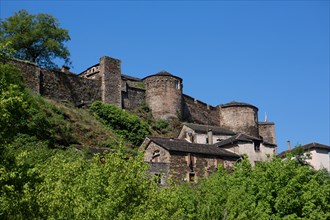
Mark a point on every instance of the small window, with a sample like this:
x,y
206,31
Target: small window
x,y
256,146
191,177
158,178
177,85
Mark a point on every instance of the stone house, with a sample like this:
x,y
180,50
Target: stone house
x,y
256,148
182,160
204,134
318,155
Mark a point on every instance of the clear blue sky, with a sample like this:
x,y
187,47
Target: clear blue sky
x,y
272,54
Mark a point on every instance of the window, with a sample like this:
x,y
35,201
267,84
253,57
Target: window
x,y
158,178
191,162
191,177
155,156
177,85
256,146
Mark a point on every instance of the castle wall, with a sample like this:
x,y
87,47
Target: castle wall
x,y
59,85
164,96
30,73
267,132
133,97
199,112
62,86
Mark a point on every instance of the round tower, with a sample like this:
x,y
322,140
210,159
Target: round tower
x,y
164,95
240,118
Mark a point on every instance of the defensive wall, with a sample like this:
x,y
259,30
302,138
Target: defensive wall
x,y
161,91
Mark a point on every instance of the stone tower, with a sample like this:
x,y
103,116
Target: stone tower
x,y
239,117
110,74
164,95
267,132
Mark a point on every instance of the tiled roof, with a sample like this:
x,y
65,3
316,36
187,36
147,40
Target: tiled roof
x,y
179,145
238,138
204,128
307,147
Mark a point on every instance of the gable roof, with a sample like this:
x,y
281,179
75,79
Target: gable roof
x,y
180,145
204,129
238,138
307,147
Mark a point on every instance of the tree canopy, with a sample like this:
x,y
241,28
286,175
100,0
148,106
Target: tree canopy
x,y
36,38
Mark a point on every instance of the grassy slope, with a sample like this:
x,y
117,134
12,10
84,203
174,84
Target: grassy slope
x,y
82,126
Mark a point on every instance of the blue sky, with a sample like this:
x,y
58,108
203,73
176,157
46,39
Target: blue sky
x,y
272,54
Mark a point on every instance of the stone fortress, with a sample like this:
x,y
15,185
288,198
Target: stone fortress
x,y
162,92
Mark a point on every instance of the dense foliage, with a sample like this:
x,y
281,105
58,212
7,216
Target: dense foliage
x,y
36,38
41,177
127,125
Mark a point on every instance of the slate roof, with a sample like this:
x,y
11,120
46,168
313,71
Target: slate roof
x,y
237,104
179,145
307,147
204,129
238,138
163,73
131,78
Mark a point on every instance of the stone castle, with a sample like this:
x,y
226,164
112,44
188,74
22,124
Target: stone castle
x,y
162,92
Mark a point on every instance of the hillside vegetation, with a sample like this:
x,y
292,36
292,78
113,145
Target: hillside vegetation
x,y
44,176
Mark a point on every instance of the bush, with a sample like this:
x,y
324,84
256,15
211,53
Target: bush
x,y
127,125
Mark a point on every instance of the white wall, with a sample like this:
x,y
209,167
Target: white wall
x,y
319,159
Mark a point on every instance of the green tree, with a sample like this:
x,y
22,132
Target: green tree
x,y
279,189
6,52
36,38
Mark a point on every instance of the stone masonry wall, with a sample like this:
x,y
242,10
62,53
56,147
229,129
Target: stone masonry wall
x,y
267,131
203,165
133,97
199,112
163,96
59,85
30,73
240,119
110,73
65,86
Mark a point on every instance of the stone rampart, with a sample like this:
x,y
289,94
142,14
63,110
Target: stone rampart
x,y
133,97
58,85
199,112
30,73
69,87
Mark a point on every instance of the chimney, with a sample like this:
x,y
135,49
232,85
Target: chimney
x,y
289,145
65,69
210,136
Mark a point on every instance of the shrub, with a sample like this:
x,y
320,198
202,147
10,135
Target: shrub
x,y
127,125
